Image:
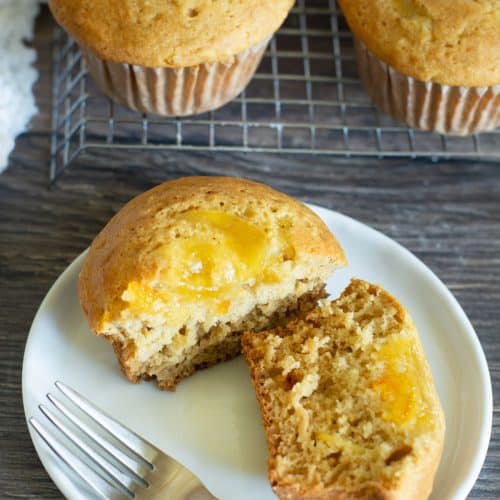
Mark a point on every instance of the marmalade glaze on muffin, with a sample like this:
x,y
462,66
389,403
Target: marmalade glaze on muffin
x,y
182,270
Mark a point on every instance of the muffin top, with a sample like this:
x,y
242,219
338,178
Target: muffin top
x,y
451,42
201,240
169,33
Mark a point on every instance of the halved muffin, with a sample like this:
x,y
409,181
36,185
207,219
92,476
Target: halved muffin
x,y
182,270
348,402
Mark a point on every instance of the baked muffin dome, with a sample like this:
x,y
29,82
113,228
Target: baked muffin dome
x,y
169,33
183,269
451,42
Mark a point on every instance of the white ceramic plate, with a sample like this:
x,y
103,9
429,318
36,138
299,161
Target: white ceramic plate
x,y
212,423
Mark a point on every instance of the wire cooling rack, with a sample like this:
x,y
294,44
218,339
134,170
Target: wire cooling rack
x,y
306,97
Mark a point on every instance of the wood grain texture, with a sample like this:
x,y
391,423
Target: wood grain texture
x,y
448,214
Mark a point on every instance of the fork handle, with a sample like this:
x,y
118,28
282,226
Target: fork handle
x,y
197,492
174,481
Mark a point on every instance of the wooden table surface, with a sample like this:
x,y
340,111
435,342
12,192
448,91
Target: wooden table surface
x,y
448,214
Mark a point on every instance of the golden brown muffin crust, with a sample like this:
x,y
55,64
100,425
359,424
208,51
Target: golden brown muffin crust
x,y
451,42
121,253
169,33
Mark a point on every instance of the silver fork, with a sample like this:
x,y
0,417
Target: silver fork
x,y
138,470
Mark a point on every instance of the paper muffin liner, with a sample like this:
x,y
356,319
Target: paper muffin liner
x,y
446,109
175,91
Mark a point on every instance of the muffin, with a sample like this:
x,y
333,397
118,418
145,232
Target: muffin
x,y
434,64
348,401
182,270
171,57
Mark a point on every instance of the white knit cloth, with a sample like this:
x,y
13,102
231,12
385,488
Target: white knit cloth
x,y
17,75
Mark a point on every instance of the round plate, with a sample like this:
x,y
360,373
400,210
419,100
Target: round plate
x,y
212,422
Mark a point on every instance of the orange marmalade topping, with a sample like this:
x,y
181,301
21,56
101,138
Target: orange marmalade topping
x,y
400,384
213,258
230,251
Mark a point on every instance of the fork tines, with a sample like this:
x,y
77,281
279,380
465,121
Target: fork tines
x,y
113,460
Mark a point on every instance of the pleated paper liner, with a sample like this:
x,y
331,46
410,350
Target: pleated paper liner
x,y
445,109
175,91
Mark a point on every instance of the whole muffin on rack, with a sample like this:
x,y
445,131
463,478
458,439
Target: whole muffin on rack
x,y
434,64
171,57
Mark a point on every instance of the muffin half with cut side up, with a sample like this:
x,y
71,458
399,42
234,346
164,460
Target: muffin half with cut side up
x,y
348,401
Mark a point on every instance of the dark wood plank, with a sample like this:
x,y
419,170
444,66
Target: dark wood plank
x,y
447,213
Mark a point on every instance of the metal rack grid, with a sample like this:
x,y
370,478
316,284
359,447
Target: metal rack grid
x,y
306,97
